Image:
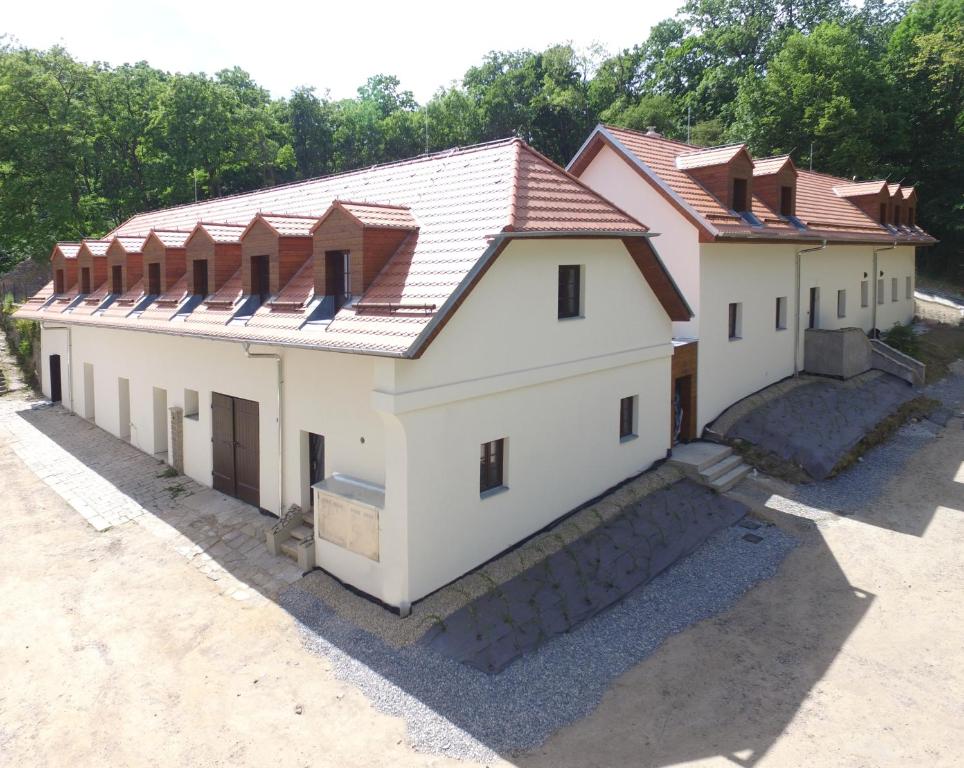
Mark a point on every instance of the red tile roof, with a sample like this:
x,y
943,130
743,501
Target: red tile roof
x,y
286,226
169,238
820,206
376,215
703,158
221,233
67,250
464,201
96,247
767,166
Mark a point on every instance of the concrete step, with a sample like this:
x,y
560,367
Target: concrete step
x,y
724,482
309,518
697,456
302,532
289,548
710,474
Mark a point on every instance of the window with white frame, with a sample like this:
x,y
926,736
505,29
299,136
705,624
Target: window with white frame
x,y
893,289
781,318
735,330
864,293
841,303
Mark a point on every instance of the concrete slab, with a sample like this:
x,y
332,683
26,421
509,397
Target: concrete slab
x,y
699,455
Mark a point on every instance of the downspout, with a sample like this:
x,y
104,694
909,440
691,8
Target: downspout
x,y
796,319
70,357
873,322
281,454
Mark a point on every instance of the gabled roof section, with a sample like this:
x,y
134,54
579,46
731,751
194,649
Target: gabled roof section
x,y
220,233
704,158
908,192
170,238
859,188
893,189
284,225
95,247
67,250
131,244
823,208
375,215
462,207
768,166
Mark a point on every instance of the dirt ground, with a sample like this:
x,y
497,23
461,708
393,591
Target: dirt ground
x,y
114,652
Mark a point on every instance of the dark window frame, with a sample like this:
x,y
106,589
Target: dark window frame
x,y
781,316
883,213
492,466
200,277
338,278
741,195
154,287
85,280
786,201
117,279
733,327
59,280
261,277
570,291
627,417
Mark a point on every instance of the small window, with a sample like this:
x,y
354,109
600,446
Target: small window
x,y
191,409
814,307
736,320
865,293
117,279
781,319
85,280
908,287
259,278
740,195
893,289
570,280
786,201
897,215
200,271
627,417
154,279
59,281
491,474
880,291
338,277
910,217
841,303
883,213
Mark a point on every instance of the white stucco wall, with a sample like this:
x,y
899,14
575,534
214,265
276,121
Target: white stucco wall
x,y
753,275
678,241
506,367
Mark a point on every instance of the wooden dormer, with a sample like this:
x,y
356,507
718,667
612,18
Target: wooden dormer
x,y
164,260
63,266
725,172
909,197
872,197
775,183
218,247
273,248
91,265
353,242
125,263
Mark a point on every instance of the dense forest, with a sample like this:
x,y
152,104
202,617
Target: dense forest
x,y
870,91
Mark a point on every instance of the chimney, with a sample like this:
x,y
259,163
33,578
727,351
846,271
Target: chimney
x,y
651,130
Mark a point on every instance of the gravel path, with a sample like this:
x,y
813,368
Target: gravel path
x,y
461,712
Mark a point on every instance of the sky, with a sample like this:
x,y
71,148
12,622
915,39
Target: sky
x,y
331,46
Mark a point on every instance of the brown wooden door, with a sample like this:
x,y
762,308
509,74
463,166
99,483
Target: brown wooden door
x,y
246,455
235,440
222,438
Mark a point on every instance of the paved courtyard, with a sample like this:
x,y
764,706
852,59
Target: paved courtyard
x,y
111,483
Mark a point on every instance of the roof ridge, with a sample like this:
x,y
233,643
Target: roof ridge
x,y
698,150
660,137
441,154
514,189
372,204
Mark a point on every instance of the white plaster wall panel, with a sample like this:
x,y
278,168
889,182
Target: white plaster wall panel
x,y
678,240
753,275
562,449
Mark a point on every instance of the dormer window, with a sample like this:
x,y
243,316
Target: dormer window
x,y
260,281
897,215
338,277
85,280
116,279
883,213
59,281
740,197
200,275
786,201
910,217
154,279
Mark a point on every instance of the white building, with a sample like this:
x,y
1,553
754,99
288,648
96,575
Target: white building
x,y
451,351
761,250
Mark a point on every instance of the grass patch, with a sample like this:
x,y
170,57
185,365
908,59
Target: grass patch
x,y
938,348
770,463
169,472
918,408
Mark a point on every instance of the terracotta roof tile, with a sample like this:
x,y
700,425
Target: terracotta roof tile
x,y
458,200
171,238
767,166
68,250
844,188
703,158
96,247
289,226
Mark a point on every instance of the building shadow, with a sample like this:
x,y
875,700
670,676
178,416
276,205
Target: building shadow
x,y
727,686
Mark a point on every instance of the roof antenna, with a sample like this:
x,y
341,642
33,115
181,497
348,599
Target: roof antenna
x,y
811,155
689,110
426,130
194,174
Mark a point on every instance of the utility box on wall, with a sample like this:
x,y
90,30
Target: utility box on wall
x,y
347,514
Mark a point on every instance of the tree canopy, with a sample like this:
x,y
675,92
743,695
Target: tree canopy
x,y
873,91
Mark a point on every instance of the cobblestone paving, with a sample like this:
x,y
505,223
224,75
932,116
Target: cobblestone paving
x,y
111,483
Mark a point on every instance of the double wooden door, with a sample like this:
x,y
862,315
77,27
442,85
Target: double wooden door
x,y
234,435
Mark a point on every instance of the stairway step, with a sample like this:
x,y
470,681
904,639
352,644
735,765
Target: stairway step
x,y
309,518
697,456
289,548
721,468
302,532
731,478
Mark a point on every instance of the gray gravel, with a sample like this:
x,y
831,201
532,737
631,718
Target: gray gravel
x,y
461,712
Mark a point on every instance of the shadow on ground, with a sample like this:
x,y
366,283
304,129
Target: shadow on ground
x,y
729,687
